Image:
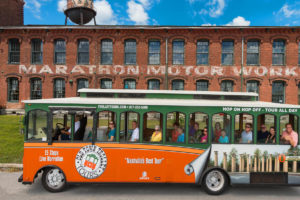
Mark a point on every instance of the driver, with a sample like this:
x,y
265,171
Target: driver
x,y
67,133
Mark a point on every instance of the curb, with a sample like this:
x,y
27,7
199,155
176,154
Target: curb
x,y
11,165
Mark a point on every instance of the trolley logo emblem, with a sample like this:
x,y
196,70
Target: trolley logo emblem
x,y
282,158
91,161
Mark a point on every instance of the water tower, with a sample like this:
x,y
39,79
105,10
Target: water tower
x,y
80,11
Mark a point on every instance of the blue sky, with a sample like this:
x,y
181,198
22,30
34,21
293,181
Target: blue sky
x,y
175,12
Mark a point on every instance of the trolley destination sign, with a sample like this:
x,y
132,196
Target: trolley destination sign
x,y
270,110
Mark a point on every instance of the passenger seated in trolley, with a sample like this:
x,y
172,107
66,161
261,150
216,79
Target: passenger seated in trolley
x,y
223,139
217,132
136,132
247,134
156,136
181,134
198,132
192,129
263,134
175,133
289,136
112,132
204,136
271,139
67,131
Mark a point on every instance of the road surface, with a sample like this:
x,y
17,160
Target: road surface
x,y
12,190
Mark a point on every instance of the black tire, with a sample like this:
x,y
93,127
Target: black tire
x,y
215,182
54,180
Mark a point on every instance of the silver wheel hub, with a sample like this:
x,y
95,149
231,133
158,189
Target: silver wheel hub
x,y
215,180
55,179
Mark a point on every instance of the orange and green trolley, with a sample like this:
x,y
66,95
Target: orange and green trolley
x,y
203,139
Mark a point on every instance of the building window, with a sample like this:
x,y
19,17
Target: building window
x,y
13,89
106,83
60,52
178,85
82,83
278,92
227,52
59,88
154,52
202,52
178,52
35,88
14,51
227,86
278,52
253,86
153,84
106,52
83,52
129,84
253,52
202,85
130,52
36,51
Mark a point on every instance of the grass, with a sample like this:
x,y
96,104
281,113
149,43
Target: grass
x,y
11,141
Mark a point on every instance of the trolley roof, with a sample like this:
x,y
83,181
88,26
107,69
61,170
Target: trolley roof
x,y
158,102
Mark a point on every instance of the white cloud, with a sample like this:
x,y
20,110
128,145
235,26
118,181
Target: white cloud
x,y
216,8
35,7
137,13
61,5
105,14
239,21
208,24
288,12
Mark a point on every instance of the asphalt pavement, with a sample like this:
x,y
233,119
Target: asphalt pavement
x,y
10,189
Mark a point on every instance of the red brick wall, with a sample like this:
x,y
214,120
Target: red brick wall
x,y
215,36
11,12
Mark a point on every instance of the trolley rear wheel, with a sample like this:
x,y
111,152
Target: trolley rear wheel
x,y
215,182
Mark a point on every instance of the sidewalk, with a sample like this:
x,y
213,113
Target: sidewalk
x,y
11,165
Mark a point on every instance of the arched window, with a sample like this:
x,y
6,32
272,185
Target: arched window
x,y
244,128
266,129
154,52
178,84
59,88
106,83
278,92
60,52
278,57
253,52
202,52
153,84
130,52
129,127
106,52
12,89
106,126
227,86
221,128
36,51
14,51
82,83
175,127
129,84
198,128
83,52
152,127
227,52
202,85
253,86
35,88
178,52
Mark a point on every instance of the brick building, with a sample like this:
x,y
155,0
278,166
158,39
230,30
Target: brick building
x,y
54,61
12,12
